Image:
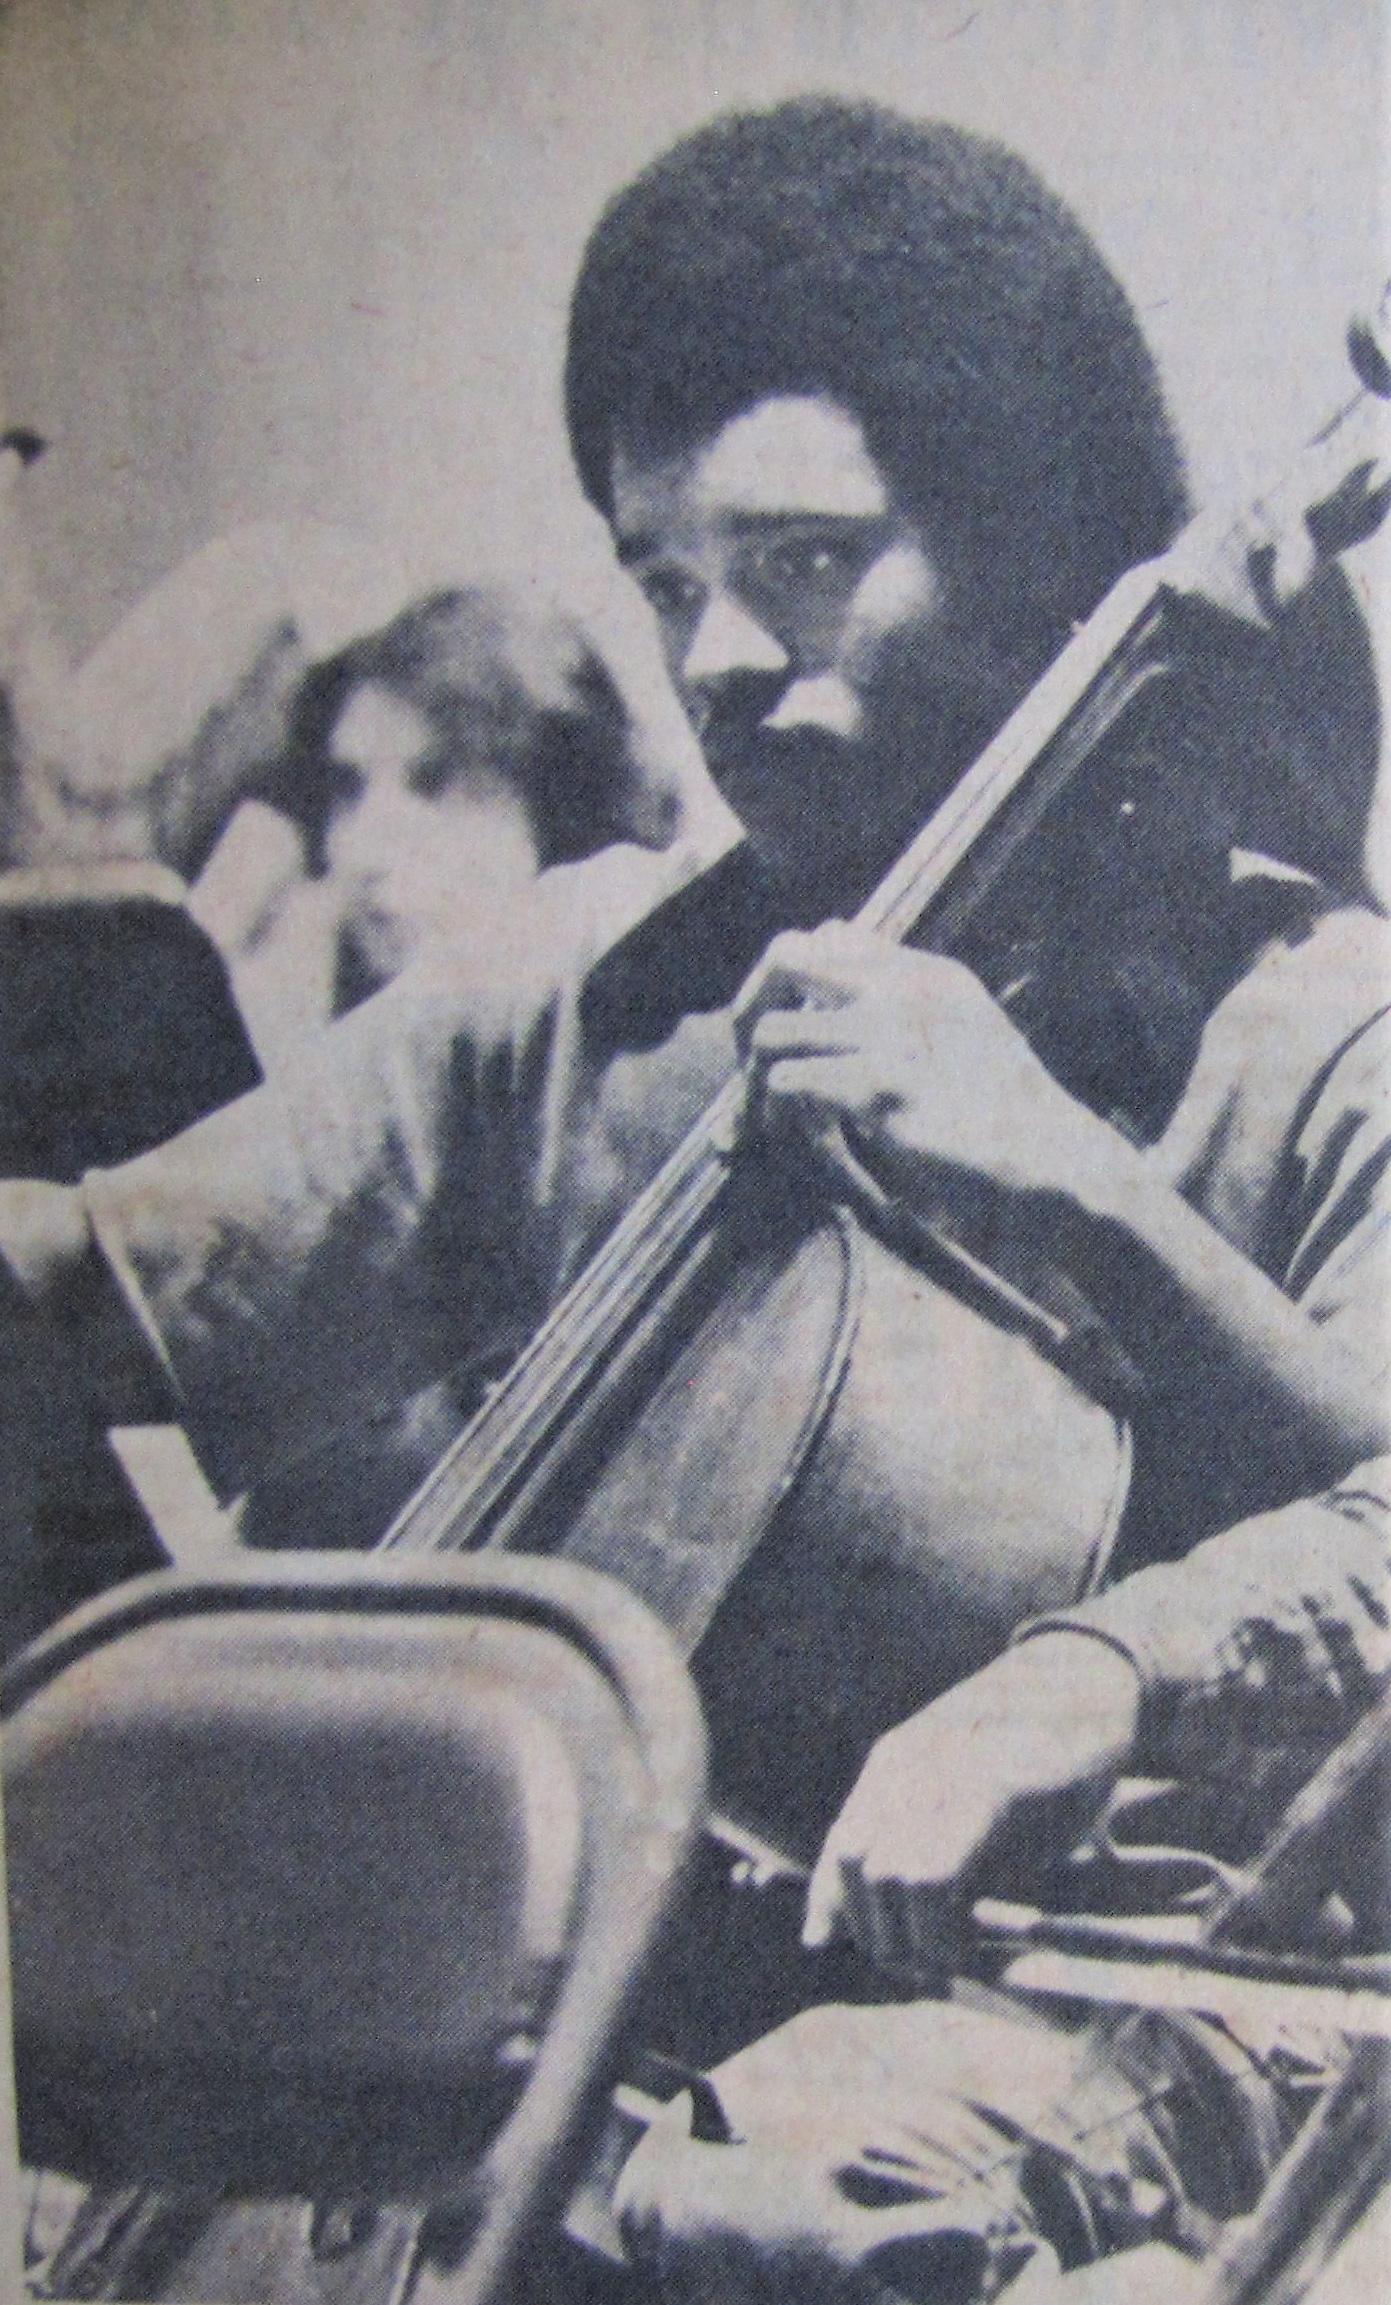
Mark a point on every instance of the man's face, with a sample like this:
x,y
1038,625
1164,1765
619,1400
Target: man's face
x,y
832,660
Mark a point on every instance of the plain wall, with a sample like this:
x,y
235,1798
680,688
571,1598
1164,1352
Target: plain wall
x,y
267,257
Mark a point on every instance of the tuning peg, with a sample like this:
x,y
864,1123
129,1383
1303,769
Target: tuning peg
x,y
1369,347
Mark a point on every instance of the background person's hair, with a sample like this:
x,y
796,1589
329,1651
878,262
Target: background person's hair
x,y
508,691
925,279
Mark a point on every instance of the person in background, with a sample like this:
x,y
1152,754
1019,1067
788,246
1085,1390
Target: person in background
x,y
440,765
192,743
196,737
475,782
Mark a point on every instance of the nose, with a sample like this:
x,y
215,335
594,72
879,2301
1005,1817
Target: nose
x,y
359,839
729,641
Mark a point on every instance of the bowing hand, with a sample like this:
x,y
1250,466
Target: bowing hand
x,y
839,1026
1004,1770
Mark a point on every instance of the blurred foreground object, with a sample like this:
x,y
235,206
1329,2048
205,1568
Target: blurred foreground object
x,y
331,1881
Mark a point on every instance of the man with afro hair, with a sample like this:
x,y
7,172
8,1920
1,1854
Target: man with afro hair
x,y
923,279
873,428
923,284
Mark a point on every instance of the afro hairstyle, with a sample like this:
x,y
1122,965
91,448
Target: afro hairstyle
x,y
922,278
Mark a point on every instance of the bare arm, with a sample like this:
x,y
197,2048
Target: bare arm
x,y
313,1251
945,1095
1258,1651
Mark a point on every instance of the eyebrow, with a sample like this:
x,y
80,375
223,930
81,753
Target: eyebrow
x,y
744,519
747,521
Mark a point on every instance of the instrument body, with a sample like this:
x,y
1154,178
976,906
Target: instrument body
x,y
905,1478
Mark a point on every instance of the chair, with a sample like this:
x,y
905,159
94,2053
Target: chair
x,y
332,1879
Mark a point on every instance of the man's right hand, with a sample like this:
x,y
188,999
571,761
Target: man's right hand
x,y
1009,1765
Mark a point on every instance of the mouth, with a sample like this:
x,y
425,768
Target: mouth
x,y
751,757
828,812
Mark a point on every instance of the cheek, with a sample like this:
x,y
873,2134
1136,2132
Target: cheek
x,y
912,642
900,597
474,844
379,835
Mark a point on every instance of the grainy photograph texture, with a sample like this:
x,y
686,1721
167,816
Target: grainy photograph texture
x,y
694,1153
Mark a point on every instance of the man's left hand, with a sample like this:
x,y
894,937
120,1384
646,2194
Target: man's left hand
x,y
841,1026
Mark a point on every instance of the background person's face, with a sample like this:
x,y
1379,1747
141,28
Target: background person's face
x,y
416,842
837,674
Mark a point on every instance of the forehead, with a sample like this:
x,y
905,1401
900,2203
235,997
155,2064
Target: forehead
x,y
376,728
790,456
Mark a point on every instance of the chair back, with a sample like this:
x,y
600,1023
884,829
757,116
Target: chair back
x,y
333,1879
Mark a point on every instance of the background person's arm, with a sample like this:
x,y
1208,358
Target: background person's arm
x,y
304,1254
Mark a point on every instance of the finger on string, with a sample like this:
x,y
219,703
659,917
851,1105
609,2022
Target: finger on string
x,y
807,1032
790,975
823,1090
862,955
845,946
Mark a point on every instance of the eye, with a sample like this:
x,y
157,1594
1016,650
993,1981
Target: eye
x,y
809,564
342,786
668,591
432,774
